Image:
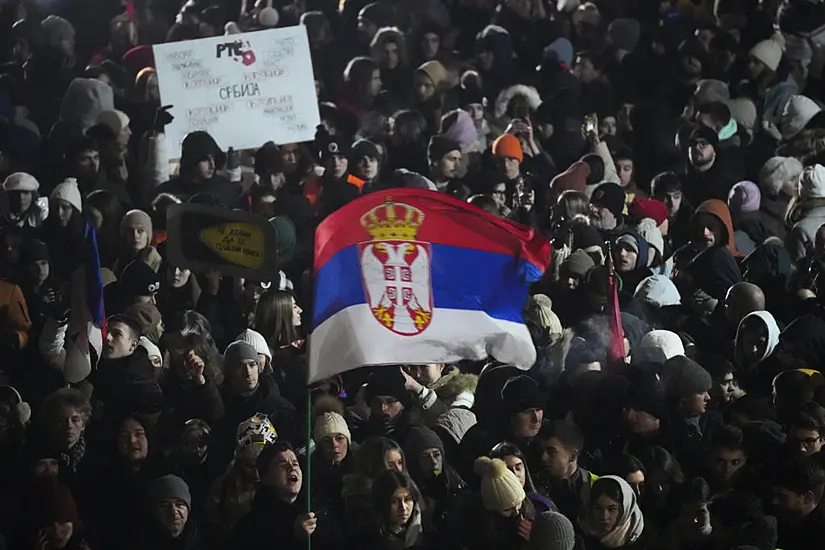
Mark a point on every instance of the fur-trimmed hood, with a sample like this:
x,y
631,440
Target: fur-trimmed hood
x,y
507,94
453,384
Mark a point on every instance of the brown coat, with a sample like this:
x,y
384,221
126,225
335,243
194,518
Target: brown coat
x,y
14,314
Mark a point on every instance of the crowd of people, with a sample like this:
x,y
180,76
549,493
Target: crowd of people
x,y
675,143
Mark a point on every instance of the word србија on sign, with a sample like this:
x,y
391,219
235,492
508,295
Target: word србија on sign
x,y
245,89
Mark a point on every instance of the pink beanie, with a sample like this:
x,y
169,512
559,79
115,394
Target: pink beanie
x,y
744,198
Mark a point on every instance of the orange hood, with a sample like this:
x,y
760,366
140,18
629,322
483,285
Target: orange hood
x,y
720,210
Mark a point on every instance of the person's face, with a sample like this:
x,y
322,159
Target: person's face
x,y
290,155
205,169
390,55
136,238
179,277
193,445
431,462
132,443
640,422
707,238
626,258
252,293
152,88
337,165
584,71
20,201
367,168
486,60
607,126
123,138
39,271
172,516
726,464
47,468
804,441
526,423
556,459
95,216
120,341
623,117
625,169
499,194
673,201
430,44
69,427
284,475
263,206
394,460
402,504
64,212
245,376
425,374
334,448
476,111
754,67
59,533
510,168
753,339
449,164
423,87
88,163
602,218
791,505
375,84
385,407
605,513
701,153
516,465
691,66
636,480
296,314
725,389
696,404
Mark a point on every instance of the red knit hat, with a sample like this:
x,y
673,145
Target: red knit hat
x,y
508,146
640,209
139,58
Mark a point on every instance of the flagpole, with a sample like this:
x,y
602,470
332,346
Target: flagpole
x,y
309,457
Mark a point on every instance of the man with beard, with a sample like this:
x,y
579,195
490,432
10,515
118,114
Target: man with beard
x,y
606,209
83,161
169,523
445,159
797,496
710,174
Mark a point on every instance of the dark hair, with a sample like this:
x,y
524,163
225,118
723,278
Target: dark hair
x,y
728,437
129,321
370,459
190,321
800,475
269,454
159,206
565,431
273,318
358,73
698,490
718,112
62,398
486,203
593,56
606,487
657,458
596,165
663,183
205,349
809,416
504,449
624,464
79,145
386,485
410,128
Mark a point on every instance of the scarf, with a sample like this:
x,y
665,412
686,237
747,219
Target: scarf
x,y
630,524
74,455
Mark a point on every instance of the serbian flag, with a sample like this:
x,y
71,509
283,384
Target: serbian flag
x,y
414,276
87,320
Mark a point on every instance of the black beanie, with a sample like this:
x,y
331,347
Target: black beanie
x,y
390,382
138,279
521,393
419,439
197,146
611,196
706,134
647,394
440,146
685,377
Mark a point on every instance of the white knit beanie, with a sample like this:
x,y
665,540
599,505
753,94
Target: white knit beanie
x,y
268,17
137,218
500,488
69,192
812,182
539,311
21,181
650,232
657,291
657,346
798,111
257,341
115,120
777,172
769,52
330,423
743,112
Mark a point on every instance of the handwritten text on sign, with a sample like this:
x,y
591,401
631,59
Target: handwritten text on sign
x,y
244,89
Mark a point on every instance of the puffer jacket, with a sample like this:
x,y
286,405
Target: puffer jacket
x,y
801,238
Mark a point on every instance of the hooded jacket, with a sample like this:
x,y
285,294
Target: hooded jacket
x,y
720,210
773,335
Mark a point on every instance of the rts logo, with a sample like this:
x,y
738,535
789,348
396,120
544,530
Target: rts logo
x,y
237,50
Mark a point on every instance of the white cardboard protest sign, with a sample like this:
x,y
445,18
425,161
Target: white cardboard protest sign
x,y
244,89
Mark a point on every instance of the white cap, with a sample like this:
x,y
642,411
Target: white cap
x,y
257,341
21,181
69,192
812,182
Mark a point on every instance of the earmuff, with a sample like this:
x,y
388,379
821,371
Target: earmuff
x,y
203,426
22,411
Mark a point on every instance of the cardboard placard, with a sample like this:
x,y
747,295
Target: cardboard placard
x,y
202,237
244,89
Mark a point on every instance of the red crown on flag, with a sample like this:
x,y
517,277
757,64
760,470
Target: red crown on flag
x,y
393,221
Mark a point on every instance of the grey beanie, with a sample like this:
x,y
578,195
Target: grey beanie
x,y
552,531
170,487
685,377
239,352
56,30
776,172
